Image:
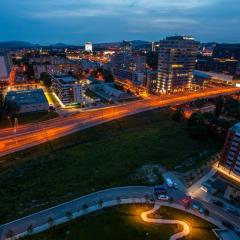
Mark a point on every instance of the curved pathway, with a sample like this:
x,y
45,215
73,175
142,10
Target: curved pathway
x,y
183,233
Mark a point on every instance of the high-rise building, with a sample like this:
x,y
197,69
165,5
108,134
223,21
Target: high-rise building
x,y
177,60
139,63
230,155
127,46
5,66
88,47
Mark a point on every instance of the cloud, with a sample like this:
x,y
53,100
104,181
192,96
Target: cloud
x,y
107,20
96,8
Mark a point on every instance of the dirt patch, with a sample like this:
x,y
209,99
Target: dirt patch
x,y
149,174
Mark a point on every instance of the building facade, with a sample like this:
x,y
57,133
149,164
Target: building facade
x,y
127,46
177,60
88,47
5,66
67,89
230,155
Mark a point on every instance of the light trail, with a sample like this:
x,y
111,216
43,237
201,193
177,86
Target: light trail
x,y
33,134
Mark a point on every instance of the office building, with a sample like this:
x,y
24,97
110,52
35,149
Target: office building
x,y
127,46
88,47
220,65
139,63
177,60
5,66
230,155
29,100
151,80
67,89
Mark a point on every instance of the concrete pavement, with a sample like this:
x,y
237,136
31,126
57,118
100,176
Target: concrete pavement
x,y
183,233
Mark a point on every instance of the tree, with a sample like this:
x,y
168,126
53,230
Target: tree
x,y
200,103
177,115
196,118
108,77
11,107
232,107
85,206
196,126
50,221
152,59
219,105
100,203
46,79
30,229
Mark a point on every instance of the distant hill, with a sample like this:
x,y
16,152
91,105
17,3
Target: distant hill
x,y
17,44
22,44
135,43
139,42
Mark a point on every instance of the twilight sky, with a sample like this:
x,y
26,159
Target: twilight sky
x,y
77,21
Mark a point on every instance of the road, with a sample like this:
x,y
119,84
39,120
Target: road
x,y
33,134
41,218
132,192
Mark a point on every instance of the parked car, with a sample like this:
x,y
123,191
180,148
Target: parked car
x,y
163,197
198,208
169,182
195,207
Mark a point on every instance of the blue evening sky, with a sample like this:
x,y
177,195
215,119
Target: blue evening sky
x,y
77,21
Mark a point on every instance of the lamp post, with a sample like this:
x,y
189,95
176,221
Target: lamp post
x,y
10,121
15,125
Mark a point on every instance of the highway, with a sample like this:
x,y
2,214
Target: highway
x,y
33,134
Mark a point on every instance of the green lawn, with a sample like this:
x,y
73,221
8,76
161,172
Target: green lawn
x,y
104,156
28,118
123,223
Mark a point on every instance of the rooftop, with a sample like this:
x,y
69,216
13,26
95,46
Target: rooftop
x,y
65,78
213,75
27,96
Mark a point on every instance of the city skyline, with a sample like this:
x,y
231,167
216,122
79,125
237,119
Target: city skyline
x,y
73,22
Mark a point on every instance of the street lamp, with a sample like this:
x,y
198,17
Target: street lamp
x,y
10,121
15,125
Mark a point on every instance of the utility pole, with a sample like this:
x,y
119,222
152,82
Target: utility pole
x,y
15,125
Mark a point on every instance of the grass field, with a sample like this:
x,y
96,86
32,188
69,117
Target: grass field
x,y
100,157
124,222
28,118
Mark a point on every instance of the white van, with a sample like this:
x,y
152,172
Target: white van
x,y
169,182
